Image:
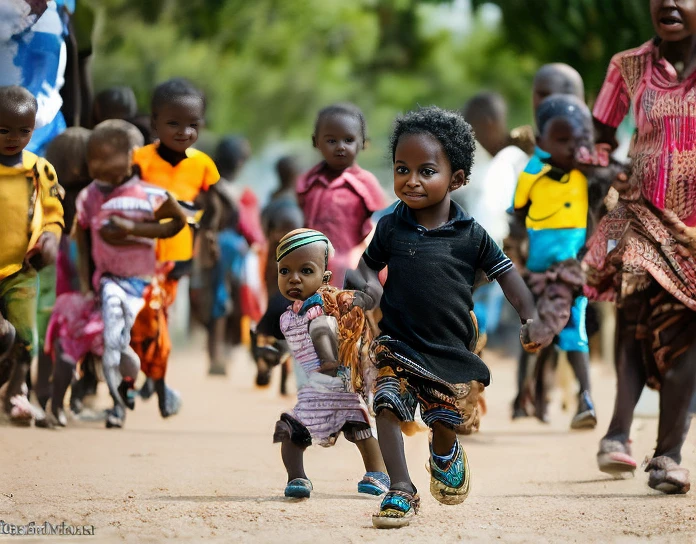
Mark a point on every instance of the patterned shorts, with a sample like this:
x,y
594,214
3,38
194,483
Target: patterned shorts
x,y
401,387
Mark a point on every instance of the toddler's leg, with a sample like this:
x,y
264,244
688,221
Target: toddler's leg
x,y
375,481
63,371
116,339
294,439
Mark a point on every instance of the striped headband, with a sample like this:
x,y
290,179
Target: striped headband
x,y
298,238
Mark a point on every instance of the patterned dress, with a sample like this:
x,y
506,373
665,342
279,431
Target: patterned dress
x,y
634,257
327,405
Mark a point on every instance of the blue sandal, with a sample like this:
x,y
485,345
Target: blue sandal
x,y
396,510
374,483
450,485
299,488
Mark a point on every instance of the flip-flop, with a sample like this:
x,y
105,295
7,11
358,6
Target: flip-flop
x,y
299,488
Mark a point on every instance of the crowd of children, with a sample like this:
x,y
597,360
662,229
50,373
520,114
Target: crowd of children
x,y
383,320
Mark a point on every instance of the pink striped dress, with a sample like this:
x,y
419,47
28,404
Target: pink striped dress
x,y
324,406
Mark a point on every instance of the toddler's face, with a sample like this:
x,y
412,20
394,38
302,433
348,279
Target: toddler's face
x,y
177,123
674,20
562,140
301,272
108,164
339,139
16,128
422,172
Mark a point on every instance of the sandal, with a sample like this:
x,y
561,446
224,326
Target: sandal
x,y
374,483
396,510
450,485
667,476
614,458
299,488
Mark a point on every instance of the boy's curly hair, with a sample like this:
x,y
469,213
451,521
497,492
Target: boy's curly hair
x,y
448,127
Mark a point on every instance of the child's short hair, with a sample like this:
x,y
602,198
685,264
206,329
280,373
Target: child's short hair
x,y
286,167
343,108
135,137
17,99
67,152
568,106
448,127
115,103
116,133
484,105
173,90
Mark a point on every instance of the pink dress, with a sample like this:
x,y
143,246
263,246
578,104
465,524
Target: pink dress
x,y
341,208
324,406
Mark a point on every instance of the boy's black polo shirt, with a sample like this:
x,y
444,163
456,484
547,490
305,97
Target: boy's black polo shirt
x,y
427,296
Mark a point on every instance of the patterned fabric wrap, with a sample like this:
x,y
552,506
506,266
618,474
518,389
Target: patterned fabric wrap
x,y
150,335
404,382
326,405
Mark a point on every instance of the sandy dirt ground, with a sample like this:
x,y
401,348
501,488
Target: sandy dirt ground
x,y
212,473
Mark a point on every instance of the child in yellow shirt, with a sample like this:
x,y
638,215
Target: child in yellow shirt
x,y
32,225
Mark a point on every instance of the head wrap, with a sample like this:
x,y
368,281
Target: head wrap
x,y
299,238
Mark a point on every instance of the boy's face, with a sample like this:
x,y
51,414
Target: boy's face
x,y
423,175
339,139
301,272
16,128
108,164
674,20
561,139
177,123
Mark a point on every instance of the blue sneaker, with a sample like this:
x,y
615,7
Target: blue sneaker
x,y
397,510
374,483
450,485
299,488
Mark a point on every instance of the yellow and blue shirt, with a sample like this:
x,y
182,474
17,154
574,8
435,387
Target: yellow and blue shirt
x,y
556,218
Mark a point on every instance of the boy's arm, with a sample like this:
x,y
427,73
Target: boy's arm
x,y
521,298
366,280
169,210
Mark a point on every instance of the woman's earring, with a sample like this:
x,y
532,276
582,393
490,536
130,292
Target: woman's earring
x,y
326,278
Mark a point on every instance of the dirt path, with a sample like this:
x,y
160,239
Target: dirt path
x,y
213,473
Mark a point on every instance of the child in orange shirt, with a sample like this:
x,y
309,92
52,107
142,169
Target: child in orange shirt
x,y
178,109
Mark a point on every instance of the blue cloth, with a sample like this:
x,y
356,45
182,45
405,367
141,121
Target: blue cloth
x,y
488,305
574,336
550,246
35,58
228,270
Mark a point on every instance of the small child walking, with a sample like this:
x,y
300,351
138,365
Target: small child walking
x,y
338,197
118,219
178,111
326,331
32,225
554,193
425,354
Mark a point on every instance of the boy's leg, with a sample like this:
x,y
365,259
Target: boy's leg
x,y
585,417
294,439
375,481
18,294
216,346
63,371
45,302
391,444
545,364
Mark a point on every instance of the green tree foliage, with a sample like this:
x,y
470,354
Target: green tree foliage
x,y
267,66
582,33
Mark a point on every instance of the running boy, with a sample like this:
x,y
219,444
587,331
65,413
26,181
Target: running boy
x,y
424,356
32,208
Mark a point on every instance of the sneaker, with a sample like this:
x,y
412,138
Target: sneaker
x,y
147,389
172,403
124,390
450,484
115,417
397,510
586,417
374,483
299,488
